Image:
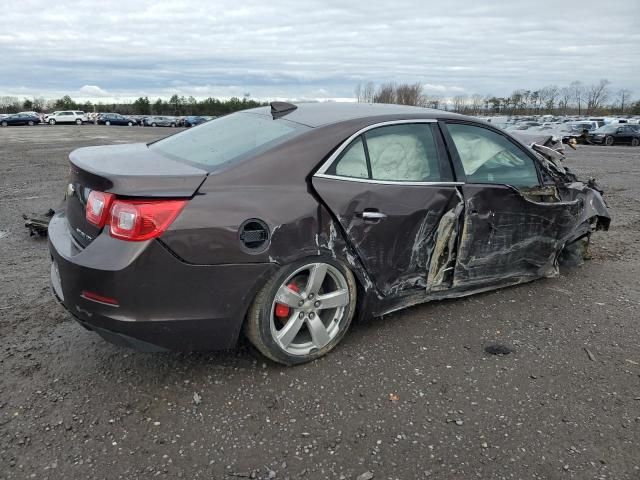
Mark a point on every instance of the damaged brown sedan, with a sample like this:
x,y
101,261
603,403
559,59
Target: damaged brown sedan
x,y
284,222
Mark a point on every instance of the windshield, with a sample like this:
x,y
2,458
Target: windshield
x,y
606,129
228,138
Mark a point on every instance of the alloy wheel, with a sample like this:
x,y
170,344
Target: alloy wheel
x,y
309,308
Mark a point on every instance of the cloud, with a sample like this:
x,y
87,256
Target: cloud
x,y
312,48
94,91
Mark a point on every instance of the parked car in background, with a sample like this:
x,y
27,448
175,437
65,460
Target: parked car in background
x,y
192,121
19,119
65,116
116,119
160,121
162,246
615,133
33,114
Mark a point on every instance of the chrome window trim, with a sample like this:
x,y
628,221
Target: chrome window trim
x,y
387,182
325,166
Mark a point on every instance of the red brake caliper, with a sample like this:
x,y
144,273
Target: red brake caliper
x,y
283,311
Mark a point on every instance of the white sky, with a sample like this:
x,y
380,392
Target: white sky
x,y
311,49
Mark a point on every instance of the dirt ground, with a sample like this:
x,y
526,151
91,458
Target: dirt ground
x,y
412,395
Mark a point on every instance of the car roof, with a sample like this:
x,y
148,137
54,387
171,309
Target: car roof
x,y
325,113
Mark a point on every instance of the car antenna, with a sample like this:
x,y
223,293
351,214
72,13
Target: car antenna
x,y
280,109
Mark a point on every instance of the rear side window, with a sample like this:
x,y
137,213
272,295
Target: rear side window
x,y
401,153
353,161
227,138
404,152
488,157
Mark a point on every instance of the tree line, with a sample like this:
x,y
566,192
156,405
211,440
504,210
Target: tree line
x,y
176,105
576,98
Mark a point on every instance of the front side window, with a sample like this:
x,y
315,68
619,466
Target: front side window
x,y
488,157
227,139
400,153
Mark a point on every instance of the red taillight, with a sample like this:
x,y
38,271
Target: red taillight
x,y
97,209
138,220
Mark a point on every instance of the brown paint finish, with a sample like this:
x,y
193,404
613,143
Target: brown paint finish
x,y
395,250
191,287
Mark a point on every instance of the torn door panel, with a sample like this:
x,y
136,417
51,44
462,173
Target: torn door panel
x,y
506,235
395,249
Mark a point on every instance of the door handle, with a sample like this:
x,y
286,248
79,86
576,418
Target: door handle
x,y
373,215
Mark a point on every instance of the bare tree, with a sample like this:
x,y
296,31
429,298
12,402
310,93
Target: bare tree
x,y
623,96
548,96
10,104
368,92
386,93
565,97
477,101
577,94
597,94
409,94
459,102
358,92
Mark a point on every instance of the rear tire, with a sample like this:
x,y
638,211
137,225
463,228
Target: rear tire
x,y
173,125
153,124
608,141
4,124
31,124
107,123
635,142
317,313
130,124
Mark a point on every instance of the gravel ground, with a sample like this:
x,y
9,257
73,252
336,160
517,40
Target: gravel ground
x,y
412,395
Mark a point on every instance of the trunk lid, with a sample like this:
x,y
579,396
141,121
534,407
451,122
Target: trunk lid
x,y
130,170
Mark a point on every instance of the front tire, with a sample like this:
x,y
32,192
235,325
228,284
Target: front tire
x,y
303,311
153,124
52,122
107,123
635,142
31,124
78,122
4,124
130,124
608,141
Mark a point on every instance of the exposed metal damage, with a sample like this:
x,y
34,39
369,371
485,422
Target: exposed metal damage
x,y
496,237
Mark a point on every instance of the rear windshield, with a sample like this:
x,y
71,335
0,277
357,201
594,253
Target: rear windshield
x,y
227,139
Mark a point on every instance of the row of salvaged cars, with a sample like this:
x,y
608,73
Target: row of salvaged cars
x,y
585,130
77,117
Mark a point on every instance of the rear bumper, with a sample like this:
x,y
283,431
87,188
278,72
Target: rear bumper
x,y
163,302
